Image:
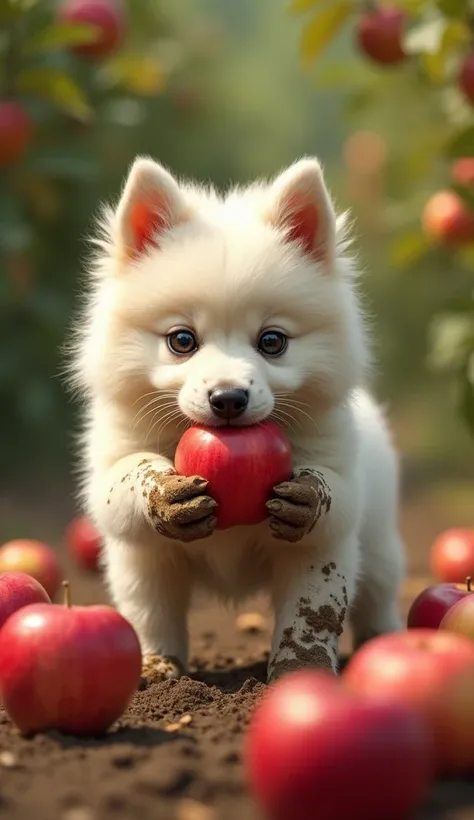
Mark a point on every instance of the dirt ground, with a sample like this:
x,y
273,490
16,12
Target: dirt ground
x,y
177,753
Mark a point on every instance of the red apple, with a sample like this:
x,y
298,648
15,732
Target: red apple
x,y
314,751
242,465
70,668
84,543
452,555
380,34
106,15
447,220
34,558
466,77
460,618
17,589
432,671
16,132
462,172
431,605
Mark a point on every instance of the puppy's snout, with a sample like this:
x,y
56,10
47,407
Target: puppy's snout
x,y
228,402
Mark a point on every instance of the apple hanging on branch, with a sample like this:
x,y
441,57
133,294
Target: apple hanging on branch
x,y
242,465
69,668
16,132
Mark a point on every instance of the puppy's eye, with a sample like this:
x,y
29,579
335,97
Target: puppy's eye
x,y
272,343
182,342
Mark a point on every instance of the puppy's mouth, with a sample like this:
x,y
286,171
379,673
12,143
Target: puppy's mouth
x,y
196,415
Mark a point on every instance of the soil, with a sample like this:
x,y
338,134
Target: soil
x,y
177,752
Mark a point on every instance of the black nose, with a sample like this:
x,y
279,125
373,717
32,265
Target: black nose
x,y
228,402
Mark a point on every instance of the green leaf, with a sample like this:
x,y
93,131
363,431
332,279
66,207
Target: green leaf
x,y
461,145
300,6
322,29
11,9
61,35
454,8
142,75
56,87
407,249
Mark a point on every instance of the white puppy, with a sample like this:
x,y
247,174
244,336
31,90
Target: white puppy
x,y
230,311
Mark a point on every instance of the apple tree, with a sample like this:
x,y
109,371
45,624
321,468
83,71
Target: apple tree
x,y
84,85
410,77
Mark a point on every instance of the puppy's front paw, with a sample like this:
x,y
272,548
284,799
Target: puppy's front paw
x,y
179,508
298,505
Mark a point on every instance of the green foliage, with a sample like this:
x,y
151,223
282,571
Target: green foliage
x,y
426,123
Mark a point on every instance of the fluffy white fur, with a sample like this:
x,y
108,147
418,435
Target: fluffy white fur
x,y
227,268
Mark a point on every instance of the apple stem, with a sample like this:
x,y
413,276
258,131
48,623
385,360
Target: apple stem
x,y
468,583
67,594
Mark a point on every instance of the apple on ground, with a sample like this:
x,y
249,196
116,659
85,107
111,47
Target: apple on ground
x,y
466,77
69,668
447,221
431,605
107,16
313,750
452,555
34,558
433,672
460,617
380,34
84,542
242,465
18,590
16,132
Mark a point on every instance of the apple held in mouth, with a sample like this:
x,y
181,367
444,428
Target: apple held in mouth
x,y
242,465
69,668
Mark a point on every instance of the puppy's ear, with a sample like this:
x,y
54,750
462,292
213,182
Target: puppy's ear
x,y
300,205
151,204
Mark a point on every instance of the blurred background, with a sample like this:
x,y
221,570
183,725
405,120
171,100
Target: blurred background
x,y
227,90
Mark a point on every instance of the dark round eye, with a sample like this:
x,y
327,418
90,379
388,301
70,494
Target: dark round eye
x,y
272,343
182,342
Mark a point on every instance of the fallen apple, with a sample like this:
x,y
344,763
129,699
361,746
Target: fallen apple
x,y
69,668
452,555
312,750
431,605
34,558
17,589
84,543
460,617
242,465
431,671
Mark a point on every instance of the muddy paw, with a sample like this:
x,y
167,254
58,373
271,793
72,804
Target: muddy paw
x,y
158,668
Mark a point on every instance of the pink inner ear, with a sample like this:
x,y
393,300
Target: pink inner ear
x,y
147,218
303,218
